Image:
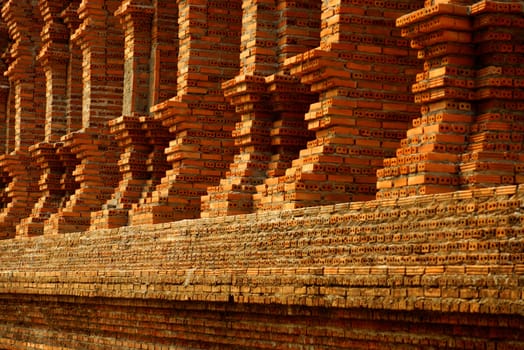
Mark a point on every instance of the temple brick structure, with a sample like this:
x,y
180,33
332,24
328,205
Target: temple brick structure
x,y
25,124
198,118
257,174
470,94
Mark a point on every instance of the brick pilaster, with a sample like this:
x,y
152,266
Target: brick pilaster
x,y
74,69
427,161
271,103
199,119
95,178
101,40
494,153
26,111
164,52
136,17
360,71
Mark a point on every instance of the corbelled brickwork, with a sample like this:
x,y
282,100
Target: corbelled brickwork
x,y
261,174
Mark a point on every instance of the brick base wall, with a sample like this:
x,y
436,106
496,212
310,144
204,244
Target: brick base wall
x,y
425,272
102,323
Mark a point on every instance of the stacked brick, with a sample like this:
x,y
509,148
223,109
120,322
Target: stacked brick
x,y
360,71
199,119
53,57
150,69
298,27
8,126
136,17
495,152
74,65
136,20
96,175
67,180
130,138
25,124
156,164
101,39
258,49
44,155
20,193
470,131
4,88
427,160
247,92
27,80
289,100
319,109
234,194
443,269
270,102
141,164
164,51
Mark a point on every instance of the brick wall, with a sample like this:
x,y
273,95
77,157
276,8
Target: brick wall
x,y
307,104
441,270
356,167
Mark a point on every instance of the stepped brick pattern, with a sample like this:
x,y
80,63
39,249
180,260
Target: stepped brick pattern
x,y
470,92
261,174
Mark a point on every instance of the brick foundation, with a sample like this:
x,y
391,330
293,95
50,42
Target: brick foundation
x,y
441,270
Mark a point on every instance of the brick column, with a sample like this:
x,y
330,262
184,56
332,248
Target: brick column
x,y
199,119
4,109
21,178
142,164
360,71
234,194
164,52
28,95
24,23
427,161
74,69
131,138
10,116
4,90
54,56
43,155
495,154
101,40
247,92
271,103
136,20
96,176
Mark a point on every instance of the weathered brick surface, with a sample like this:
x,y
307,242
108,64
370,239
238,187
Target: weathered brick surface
x,y
471,101
124,118
198,118
444,260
